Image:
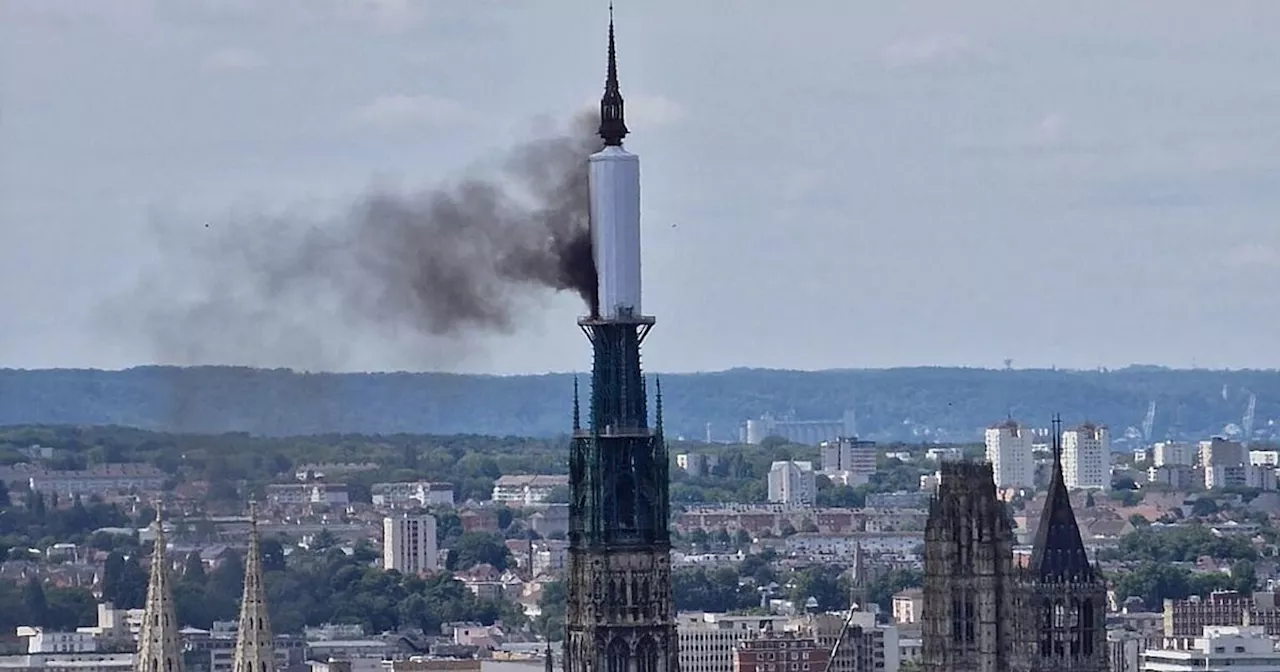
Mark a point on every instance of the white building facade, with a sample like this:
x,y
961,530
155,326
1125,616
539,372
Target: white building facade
x,y
1222,647
848,461
1086,457
792,482
1170,453
1009,452
409,544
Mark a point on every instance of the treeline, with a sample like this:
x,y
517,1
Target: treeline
x,y
43,520
32,603
236,466
924,403
310,587
1155,582
1162,545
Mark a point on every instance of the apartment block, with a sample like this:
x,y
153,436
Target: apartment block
x,y
409,544
1086,457
526,489
1010,454
792,482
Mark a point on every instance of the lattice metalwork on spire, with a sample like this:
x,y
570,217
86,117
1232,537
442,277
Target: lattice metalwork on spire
x,y
613,128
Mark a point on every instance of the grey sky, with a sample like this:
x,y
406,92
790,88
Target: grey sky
x,y
826,184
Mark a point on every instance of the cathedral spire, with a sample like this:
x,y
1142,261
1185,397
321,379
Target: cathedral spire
x,y
255,646
612,127
859,581
1058,553
577,415
657,403
158,647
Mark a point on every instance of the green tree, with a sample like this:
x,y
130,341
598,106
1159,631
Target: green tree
x,y
272,555
821,583
474,548
33,600
70,608
717,590
551,604
193,570
324,540
1244,576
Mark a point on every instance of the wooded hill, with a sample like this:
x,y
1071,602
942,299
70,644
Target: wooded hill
x,y
913,404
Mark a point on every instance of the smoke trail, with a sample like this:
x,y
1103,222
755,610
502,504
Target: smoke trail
x,y
438,264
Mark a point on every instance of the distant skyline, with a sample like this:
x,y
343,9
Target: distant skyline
x,y
825,185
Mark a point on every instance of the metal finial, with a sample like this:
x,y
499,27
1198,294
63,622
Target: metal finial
x,y
1057,441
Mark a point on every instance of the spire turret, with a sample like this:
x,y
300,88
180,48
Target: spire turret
x,y
657,403
859,581
612,126
158,647
577,415
255,645
1058,554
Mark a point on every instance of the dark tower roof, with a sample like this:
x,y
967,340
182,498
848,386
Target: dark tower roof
x,y
612,127
1058,554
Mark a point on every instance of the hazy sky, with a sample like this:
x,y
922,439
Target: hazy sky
x,y
825,184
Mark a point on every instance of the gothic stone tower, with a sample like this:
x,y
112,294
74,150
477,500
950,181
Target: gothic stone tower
x,y
255,646
158,646
1062,598
968,602
620,615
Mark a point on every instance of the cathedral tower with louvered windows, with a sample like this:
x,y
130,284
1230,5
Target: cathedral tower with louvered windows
x,y
1062,597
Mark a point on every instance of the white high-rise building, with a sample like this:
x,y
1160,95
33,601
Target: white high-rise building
x,y
1086,457
707,641
792,482
848,460
1222,452
1009,452
409,544
1221,647
1169,453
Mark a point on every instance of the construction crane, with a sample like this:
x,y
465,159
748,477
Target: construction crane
x,y
1149,422
844,632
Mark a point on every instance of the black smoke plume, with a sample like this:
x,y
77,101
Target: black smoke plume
x,y
442,263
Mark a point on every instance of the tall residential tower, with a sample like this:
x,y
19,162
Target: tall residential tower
x,y
620,615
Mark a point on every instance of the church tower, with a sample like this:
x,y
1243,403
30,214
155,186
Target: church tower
x,y
620,615
1062,601
255,646
968,585
158,645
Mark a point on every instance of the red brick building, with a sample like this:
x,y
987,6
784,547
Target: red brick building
x,y
780,652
